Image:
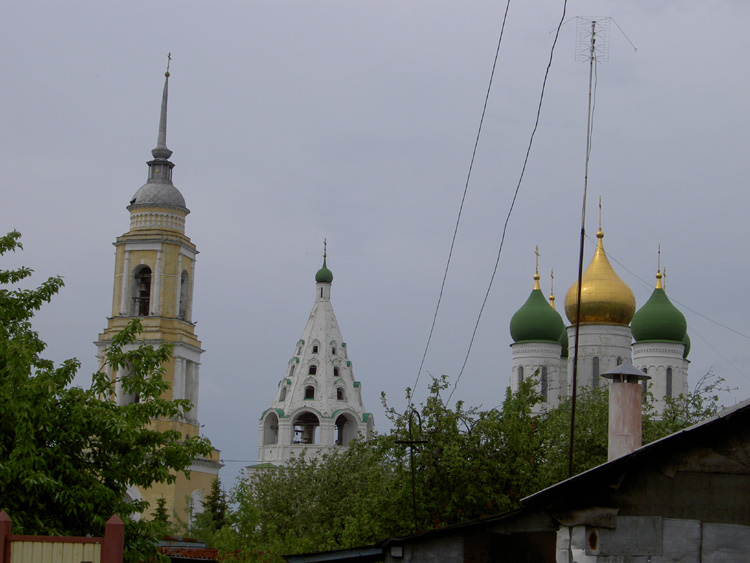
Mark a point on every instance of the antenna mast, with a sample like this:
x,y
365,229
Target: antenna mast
x,y
588,30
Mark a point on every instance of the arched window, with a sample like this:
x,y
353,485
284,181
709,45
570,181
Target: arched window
x,y
141,291
595,372
333,351
340,393
520,374
126,395
309,392
544,383
335,371
345,430
184,285
271,429
305,428
291,371
133,494
669,382
315,349
282,395
619,361
196,504
313,369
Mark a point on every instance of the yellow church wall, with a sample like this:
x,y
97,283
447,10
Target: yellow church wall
x,y
171,270
178,493
154,328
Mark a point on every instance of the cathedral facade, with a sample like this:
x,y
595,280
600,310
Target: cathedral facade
x,y
153,281
611,332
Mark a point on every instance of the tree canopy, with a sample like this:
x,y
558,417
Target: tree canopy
x,y
68,454
470,463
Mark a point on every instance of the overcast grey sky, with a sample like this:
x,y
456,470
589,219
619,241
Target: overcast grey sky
x,y
292,121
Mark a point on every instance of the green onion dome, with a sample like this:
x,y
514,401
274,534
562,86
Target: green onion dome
x,y
564,336
659,320
536,320
324,275
686,342
564,342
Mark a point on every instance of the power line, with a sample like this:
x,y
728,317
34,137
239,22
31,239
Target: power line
x,y
513,202
648,284
463,198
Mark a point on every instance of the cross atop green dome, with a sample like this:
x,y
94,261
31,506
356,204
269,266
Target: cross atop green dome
x,y
536,320
324,275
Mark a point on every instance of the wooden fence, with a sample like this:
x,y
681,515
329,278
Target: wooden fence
x,y
50,549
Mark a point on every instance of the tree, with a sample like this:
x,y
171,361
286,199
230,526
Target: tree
x,y
700,403
68,454
473,463
214,516
590,440
160,517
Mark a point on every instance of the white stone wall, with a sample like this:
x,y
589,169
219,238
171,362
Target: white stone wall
x,y
656,358
608,343
531,357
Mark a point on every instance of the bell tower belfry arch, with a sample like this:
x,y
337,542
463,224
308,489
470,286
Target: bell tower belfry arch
x,y
153,281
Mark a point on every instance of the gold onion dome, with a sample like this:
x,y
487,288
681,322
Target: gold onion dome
x,y
605,298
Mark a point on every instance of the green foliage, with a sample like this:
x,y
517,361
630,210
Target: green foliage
x,y
341,499
473,463
590,438
699,404
214,516
160,518
238,540
68,454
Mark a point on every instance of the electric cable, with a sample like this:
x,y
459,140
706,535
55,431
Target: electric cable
x,y
513,201
463,199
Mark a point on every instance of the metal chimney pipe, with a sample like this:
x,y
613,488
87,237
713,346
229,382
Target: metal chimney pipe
x,y
625,410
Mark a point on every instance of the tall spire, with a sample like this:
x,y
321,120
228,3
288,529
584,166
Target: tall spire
x,y
158,191
161,150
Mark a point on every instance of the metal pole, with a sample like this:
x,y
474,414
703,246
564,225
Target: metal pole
x,y
580,254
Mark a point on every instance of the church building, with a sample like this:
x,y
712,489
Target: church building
x,y
654,339
153,280
317,406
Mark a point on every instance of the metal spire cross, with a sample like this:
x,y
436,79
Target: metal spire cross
x,y
658,259
537,258
169,60
552,282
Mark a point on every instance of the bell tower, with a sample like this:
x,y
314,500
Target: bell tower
x,y
317,406
153,281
